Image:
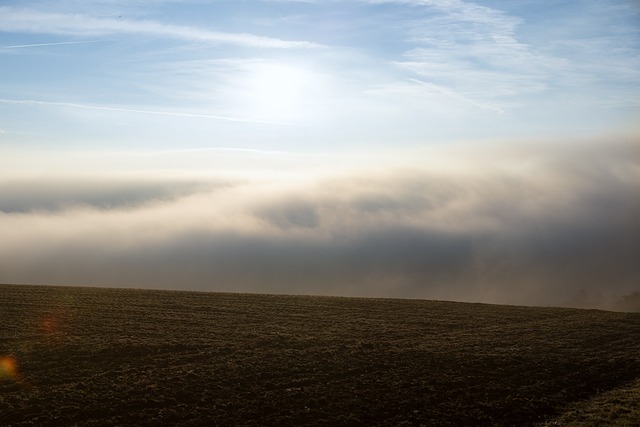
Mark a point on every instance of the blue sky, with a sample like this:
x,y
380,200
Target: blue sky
x,y
478,151
313,75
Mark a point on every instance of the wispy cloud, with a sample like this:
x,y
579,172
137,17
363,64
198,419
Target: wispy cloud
x,y
137,111
416,88
489,56
233,149
472,51
31,21
20,46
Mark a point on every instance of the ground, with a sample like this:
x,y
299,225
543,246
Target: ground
x,y
91,356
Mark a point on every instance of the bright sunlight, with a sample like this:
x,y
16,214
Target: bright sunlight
x,y
277,92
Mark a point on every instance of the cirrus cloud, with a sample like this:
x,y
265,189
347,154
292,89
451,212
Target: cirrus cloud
x,y
33,21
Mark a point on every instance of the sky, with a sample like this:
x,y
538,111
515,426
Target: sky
x,y
482,151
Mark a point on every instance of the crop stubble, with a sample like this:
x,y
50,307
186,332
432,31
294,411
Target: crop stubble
x,y
92,356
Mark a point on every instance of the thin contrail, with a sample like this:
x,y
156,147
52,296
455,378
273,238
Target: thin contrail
x,y
457,95
19,46
133,110
238,149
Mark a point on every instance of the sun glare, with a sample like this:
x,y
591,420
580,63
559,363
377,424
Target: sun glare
x,y
277,92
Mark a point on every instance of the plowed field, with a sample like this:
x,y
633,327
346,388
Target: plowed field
x,y
90,356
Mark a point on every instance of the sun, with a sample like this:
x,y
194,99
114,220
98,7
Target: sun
x,y
277,92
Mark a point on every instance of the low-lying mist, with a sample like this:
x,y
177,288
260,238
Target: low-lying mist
x,y
538,224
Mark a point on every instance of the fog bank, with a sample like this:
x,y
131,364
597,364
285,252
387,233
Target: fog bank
x,y
518,223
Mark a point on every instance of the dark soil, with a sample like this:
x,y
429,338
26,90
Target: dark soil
x,y
90,356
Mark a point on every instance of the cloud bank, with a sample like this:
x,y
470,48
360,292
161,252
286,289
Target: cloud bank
x,y
518,224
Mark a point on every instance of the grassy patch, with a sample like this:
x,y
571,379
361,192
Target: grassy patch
x,y
90,356
617,407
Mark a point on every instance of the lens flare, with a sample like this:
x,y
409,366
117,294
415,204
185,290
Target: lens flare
x,y
8,368
49,324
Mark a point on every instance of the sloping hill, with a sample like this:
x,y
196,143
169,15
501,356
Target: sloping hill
x,y
617,407
89,356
